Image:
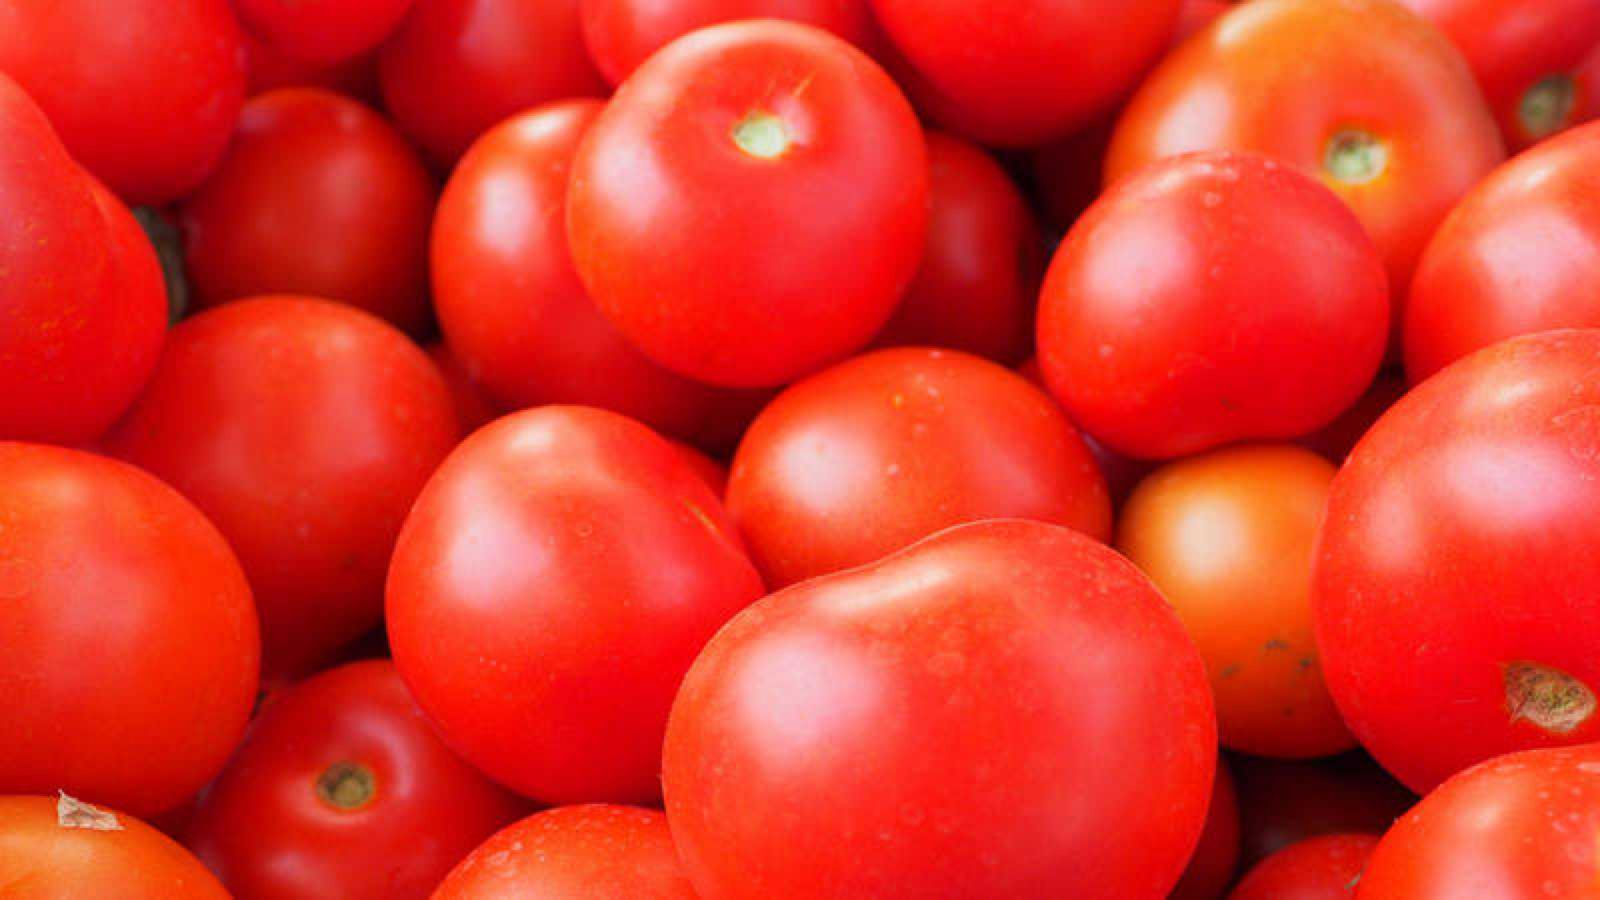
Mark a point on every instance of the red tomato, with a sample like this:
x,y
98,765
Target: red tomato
x,y
751,204
1520,254
511,304
1216,857
82,303
457,67
304,429
270,69
879,452
1025,72
1455,580
1209,299
1121,473
1281,802
144,93
1339,437
473,407
1322,868
574,853
128,644
936,725
60,848
322,31
713,473
342,789
1361,94
552,585
318,195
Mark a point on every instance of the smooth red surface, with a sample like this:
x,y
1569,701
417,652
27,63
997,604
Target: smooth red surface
x,y
128,642
938,724
270,69
1283,802
1216,857
322,31
474,409
40,859
1321,868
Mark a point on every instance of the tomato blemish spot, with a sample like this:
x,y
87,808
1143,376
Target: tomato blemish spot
x,y
762,135
1355,157
74,813
1549,698
347,786
1547,106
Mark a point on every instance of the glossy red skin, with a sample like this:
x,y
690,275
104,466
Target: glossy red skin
x,y
270,69
40,859
1216,857
304,429
798,758
1520,254
1335,440
736,269
553,583
877,453
266,831
512,307
979,280
713,473
129,650
322,32
1455,545
1283,802
1321,868
574,853
144,93
1024,73
456,68
320,196
473,407
1210,299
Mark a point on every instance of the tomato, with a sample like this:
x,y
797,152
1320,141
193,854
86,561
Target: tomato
x,y
270,69
57,847
1339,437
473,407
574,853
882,451
1210,299
1216,857
457,67
1282,802
1524,55
936,724
304,429
1363,95
511,304
128,643
751,204
318,195
981,267
1321,868
621,34
82,303
342,788
1520,254
713,473
551,586
322,31
1454,581
1025,72
144,93
1121,473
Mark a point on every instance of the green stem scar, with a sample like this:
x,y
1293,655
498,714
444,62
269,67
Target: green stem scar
x,y
1547,106
1547,698
762,135
347,786
1355,157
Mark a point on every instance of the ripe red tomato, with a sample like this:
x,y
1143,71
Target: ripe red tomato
x,y
144,93
322,31
879,452
270,69
1216,857
318,195
1025,72
936,725
342,789
457,67
1283,802
552,585
1454,581
751,204
713,473
128,644
574,853
1361,94
473,407
1321,868
304,429
511,304
1211,298
1520,254
61,848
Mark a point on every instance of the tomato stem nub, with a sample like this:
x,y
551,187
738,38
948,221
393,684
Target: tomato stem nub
x,y
347,785
762,135
1547,106
1355,157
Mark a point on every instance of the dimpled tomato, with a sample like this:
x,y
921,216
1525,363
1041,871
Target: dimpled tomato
x,y
58,847
1455,581
937,724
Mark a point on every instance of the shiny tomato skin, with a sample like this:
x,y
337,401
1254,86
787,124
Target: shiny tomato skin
x,y
304,429
751,204
1216,857
322,31
1520,254
1282,802
1454,584
551,586
320,196
342,789
456,68
144,93
712,472
574,853
129,651
879,452
1321,868
43,859
1212,298
932,725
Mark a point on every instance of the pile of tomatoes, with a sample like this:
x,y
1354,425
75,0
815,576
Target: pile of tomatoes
x,y
790,449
